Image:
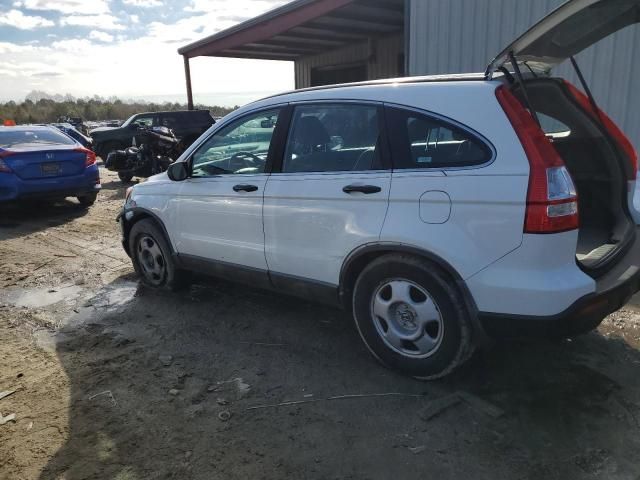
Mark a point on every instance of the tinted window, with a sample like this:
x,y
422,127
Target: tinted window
x,y
240,148
420,141
170,120
18,137
333,138
552,126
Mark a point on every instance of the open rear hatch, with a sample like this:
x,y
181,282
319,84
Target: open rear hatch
x,y
600,159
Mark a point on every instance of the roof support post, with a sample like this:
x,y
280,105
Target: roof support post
x,y
187,75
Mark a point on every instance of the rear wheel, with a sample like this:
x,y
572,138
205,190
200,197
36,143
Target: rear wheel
x,y
125,177
87,200
411,317
152,259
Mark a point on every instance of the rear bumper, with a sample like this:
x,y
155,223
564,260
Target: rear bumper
x,y
13,188
613,291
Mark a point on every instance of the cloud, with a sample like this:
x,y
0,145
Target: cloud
x,y
102,21
23,66
47,74
17,19
82,7
7,47
245,8
143,3
101,36
76,45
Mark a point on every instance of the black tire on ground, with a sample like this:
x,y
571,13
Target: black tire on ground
x,y
125,177
87,200
441,345
152,259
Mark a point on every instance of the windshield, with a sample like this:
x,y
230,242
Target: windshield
x,y
128,120
16,138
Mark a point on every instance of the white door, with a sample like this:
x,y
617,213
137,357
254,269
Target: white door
x,y
220,212
331,194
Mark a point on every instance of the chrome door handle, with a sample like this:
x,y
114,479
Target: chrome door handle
x,y
366,189
245,188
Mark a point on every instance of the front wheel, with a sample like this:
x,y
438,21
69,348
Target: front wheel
x,y
152,258
411,316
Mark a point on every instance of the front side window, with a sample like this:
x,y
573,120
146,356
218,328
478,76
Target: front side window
x,y
241,147
144,121
333,138
419,141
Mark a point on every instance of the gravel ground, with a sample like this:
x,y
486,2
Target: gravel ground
x,y
113,381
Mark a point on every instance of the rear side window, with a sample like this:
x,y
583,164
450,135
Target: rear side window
x,y
333,138
420,141
19,137
170,120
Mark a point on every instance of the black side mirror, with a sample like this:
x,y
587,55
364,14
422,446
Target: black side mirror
x,y
178,171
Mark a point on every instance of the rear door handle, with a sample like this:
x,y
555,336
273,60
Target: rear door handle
x,y
366,189
245,188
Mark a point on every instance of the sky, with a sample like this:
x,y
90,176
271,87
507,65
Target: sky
x,y
128,49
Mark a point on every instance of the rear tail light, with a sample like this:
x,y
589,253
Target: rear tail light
x,y
612,129
552,202
90,156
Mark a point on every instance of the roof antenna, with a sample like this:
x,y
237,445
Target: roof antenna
x,y
516,68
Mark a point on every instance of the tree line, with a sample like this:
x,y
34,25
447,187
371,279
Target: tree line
x,y
47,110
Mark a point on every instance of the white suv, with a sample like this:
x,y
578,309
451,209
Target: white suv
x,y
437,210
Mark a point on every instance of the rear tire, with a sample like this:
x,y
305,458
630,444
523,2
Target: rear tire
x,y
125,177
411,316
87,200
152,259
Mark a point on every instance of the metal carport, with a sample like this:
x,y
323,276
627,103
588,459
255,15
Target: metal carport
x,y
361,37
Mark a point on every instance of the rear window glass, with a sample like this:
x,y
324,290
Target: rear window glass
x,y
552,126
19,137
420,141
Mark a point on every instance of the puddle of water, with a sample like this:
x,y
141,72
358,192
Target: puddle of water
x,y
115,295
40,297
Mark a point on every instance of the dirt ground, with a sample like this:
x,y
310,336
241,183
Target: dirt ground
x,y
113,381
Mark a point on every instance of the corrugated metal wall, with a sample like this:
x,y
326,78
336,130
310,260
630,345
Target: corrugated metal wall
x,y
381,58
451,36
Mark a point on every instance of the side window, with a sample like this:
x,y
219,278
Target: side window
x,y
169,121
239,148
420,141
333,138
553,127
144,121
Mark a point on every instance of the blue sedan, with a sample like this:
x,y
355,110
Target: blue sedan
x,y
44,162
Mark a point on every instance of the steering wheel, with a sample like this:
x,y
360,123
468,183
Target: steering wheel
x,y
242,160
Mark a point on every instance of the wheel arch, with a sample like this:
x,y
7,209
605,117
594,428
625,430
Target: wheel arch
x,y
137,214
362,256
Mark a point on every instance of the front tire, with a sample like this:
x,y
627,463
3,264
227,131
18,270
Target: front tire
x,y
411,316
152,259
